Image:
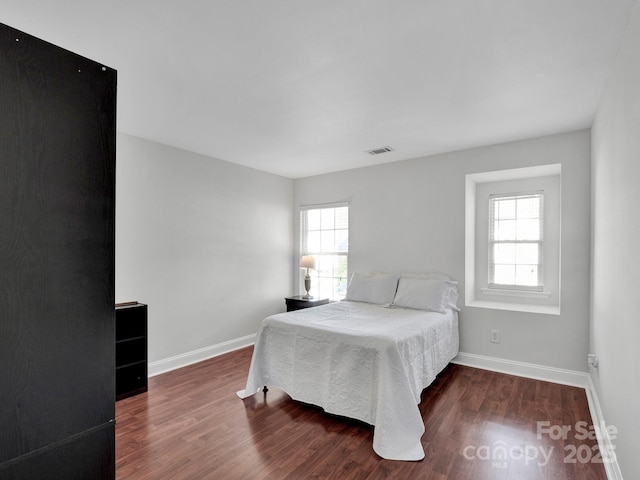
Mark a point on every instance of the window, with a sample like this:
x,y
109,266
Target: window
x,y
516,241
324,234
512,239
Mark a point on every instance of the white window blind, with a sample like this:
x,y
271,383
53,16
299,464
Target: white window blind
x,y
324,234
516,241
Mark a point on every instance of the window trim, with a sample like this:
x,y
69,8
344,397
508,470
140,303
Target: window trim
x,y
547,302
503,292
514,289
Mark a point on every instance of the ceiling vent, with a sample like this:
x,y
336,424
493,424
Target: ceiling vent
x,y
378,151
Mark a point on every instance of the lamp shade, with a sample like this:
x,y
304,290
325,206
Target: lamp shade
x,y
308,262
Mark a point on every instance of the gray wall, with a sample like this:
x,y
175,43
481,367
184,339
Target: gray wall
x,y
409,216
615,326
206,243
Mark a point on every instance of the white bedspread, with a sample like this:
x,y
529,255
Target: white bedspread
x,y
358,360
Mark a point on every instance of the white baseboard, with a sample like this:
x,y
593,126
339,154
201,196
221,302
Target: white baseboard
x,y
195,356
522,369
605,444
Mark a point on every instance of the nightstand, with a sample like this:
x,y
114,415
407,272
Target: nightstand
x,y
298,303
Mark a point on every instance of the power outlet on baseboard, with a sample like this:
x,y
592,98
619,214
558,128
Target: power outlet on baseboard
x,y
495,336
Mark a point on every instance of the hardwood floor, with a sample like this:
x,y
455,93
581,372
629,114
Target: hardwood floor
x,y
479,425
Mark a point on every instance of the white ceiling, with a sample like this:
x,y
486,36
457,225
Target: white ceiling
x,y
300,87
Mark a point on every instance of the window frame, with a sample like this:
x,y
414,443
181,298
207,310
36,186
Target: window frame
x,y
491,284
318,280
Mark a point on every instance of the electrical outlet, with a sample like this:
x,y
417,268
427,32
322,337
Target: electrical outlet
x,y
495,336
592,360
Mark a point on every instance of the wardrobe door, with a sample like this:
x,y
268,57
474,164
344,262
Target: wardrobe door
x,y
57,218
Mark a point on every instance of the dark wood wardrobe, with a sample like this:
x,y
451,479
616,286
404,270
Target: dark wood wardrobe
x,y
57,222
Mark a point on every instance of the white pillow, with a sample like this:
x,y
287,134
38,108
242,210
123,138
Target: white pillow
x,y
378,288
431,294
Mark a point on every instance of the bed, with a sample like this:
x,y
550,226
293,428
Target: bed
x,y
368,357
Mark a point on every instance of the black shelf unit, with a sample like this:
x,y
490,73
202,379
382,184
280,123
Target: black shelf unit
x,y
131,349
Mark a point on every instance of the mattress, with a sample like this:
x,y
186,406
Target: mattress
x,y
358,360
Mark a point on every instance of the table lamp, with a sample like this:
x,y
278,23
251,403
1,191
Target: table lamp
x,y
307,262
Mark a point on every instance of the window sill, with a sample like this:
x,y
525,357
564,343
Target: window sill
x,y
515,307
515,293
